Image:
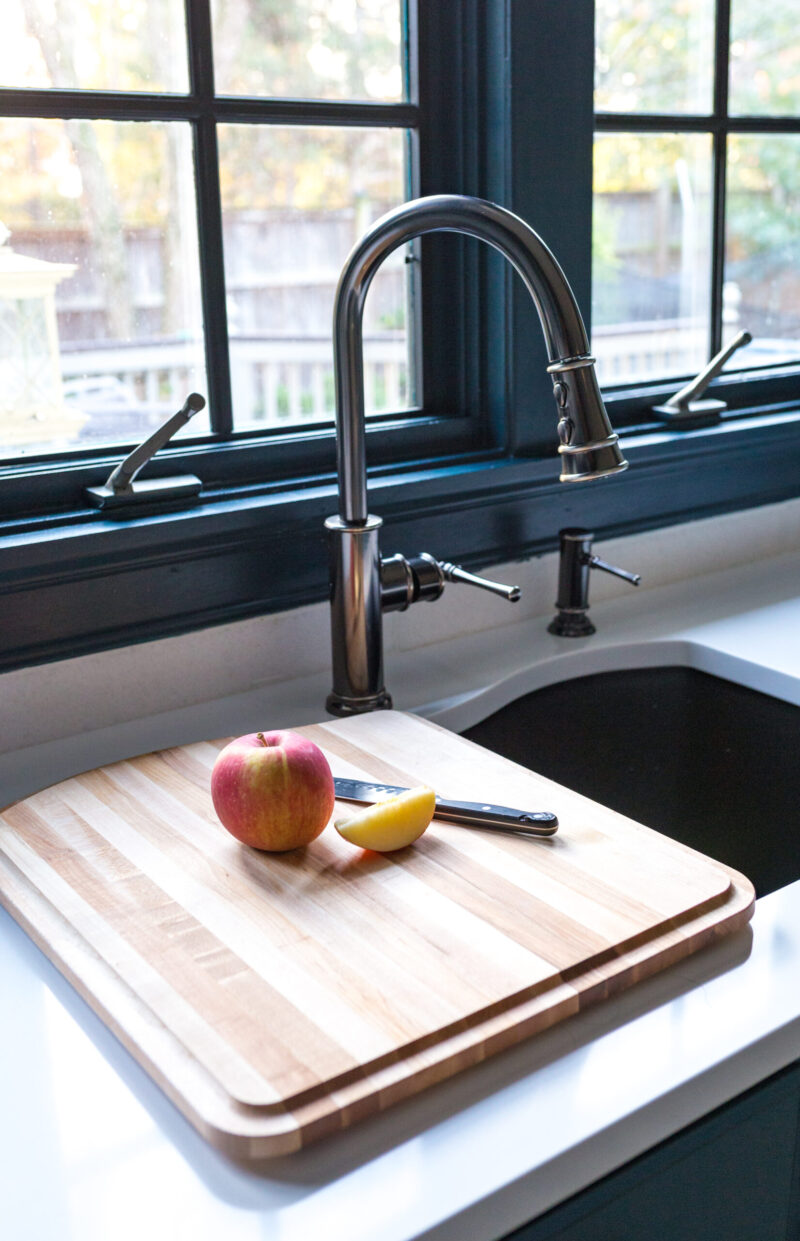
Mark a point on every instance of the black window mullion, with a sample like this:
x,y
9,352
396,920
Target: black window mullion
x,y
245,109
144,106
95,105
653,122
410,19
209,217
720,165
212,275
658,122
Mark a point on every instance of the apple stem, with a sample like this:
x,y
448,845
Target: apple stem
x,y
262,738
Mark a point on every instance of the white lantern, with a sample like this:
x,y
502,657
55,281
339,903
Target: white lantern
x,y
32,409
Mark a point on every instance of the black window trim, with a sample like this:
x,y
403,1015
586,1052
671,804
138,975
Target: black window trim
x,y
451,372
742,388
474,476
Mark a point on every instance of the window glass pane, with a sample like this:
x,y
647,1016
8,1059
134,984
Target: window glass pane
x,y
654,55
651,245
765,58
762,252
323,49
295,200
119,45
100,321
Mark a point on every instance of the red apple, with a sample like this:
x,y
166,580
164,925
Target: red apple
x,y
273,791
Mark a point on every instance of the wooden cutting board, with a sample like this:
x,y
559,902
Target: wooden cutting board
x,y
277,998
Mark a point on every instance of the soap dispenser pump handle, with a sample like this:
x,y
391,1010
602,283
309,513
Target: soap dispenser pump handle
x,y
594,562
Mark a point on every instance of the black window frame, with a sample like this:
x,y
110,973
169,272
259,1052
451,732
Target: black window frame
x,y
229,457
743,388
504,111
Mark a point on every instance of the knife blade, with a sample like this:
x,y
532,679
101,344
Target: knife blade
x,y
466,813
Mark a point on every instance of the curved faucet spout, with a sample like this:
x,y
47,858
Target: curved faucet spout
x,y
588,445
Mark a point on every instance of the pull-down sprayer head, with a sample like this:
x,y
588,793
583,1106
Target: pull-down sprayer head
x,y
588,446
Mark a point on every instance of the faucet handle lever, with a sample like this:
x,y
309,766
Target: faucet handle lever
x,y
410,579
454,573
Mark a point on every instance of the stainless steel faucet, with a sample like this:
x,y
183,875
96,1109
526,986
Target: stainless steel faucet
x,y
362,585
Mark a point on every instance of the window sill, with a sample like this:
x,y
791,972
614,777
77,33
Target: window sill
x,y
78,583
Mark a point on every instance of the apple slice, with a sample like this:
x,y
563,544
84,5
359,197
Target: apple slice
x,y
390,824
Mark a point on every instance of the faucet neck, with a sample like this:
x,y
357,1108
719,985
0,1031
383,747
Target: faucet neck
x,y
564,332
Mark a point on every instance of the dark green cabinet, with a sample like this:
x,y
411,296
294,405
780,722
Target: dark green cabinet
x,y
732,1176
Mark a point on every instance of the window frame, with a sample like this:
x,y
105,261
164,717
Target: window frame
x,y
630,404
449,419
473,477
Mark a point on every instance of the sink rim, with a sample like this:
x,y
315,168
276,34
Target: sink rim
x,y
585,658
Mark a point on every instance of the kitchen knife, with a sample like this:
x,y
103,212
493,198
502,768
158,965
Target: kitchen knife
x,y
466,813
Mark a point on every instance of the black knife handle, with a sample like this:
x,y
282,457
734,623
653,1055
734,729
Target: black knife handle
x,y
481,814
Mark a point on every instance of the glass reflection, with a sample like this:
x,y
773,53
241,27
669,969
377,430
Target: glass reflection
x,y
762,251
651,247
654,55
295,201
765,58
100,319
119,45
319,49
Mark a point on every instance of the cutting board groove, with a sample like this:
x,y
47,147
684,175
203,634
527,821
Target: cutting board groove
x,y
280,997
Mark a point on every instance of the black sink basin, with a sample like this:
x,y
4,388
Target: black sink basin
x,y
707,762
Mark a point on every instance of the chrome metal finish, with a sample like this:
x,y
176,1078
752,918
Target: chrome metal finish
x,y
412,579
464,813
590,448
397,583
429,577
454,573
686,409
575,562
570,364
595,562
598,447
356,621
121,486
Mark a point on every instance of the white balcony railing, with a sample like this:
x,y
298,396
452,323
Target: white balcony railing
x,y
275,381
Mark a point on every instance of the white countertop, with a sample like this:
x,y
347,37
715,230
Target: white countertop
x,y
90,1149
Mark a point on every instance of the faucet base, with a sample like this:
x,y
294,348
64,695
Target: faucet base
x,y
338,704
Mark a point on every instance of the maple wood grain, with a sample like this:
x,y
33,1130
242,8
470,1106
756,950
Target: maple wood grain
x,y
277,998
